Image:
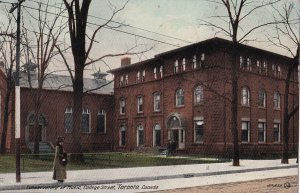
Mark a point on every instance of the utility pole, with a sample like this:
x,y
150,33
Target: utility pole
x,y
17,91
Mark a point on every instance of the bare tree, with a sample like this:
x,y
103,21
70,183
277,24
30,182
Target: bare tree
x,y
285,37
7,55
232,23
82,45
44,33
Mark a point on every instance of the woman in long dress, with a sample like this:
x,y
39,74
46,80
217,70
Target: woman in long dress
x,y
60,161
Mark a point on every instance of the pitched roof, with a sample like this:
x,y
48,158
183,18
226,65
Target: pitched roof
x,y
64,83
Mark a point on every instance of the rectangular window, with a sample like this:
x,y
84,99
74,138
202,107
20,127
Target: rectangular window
x,y
122,106
101,124
245,131
85,122
199,127
140,104
276,132
261,132
68,120
157,138
123,138
140,137
156,102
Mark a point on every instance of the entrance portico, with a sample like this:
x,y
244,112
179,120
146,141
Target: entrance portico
x,y
176,129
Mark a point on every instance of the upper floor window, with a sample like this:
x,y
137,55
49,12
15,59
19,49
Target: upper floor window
x,y
155,73
276,71
245,96
179,97
202,59
276,100
245,65
122,106
259,66
126,79
262,98
101,121
161,71
176,66
183,64
265,68
194,62
156,99
139,104
86,120
121,81
198,95
68,120
144,75
138,76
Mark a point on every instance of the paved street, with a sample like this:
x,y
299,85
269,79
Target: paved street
x,y
275,185
153,179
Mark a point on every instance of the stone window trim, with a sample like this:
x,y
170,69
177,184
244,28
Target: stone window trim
x,y
122,135
245,126
199,127
262,125
198,95
262,98
122,104
157,102
156,141
140,135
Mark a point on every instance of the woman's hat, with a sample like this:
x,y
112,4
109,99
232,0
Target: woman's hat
x,y
60,139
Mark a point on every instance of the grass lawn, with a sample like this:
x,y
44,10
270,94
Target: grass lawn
x,y
98,160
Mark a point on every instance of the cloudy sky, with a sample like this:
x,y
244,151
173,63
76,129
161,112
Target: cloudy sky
x,y
161,25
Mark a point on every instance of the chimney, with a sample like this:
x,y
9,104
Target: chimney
x,y
125,61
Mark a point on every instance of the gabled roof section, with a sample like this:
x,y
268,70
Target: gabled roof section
x,y
64,83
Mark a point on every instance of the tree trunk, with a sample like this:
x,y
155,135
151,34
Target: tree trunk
x,y
234,106
77,116
5,119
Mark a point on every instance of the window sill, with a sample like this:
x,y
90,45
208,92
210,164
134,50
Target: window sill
x,y
277,109
261,107
180,106
245,106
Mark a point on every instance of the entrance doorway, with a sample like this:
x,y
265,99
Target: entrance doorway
x,y
176,130
41,129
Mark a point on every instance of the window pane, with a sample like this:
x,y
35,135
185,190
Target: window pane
x,y
85,122
157,138
68,122
100,123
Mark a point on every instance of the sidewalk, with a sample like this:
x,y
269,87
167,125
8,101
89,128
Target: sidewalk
x,y
215,173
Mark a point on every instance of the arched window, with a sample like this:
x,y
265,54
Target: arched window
x,y
198,95
245,96
179,97
262,98
276,100
101,121
68,120
86,120
156,135
140,135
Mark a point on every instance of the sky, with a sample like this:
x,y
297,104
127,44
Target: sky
x,y
175,23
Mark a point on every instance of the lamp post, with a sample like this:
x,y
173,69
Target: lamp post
x,y
17,91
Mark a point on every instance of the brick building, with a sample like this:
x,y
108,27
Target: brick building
x,y
183,95
55,113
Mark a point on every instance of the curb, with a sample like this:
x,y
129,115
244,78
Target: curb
x,y
138,179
